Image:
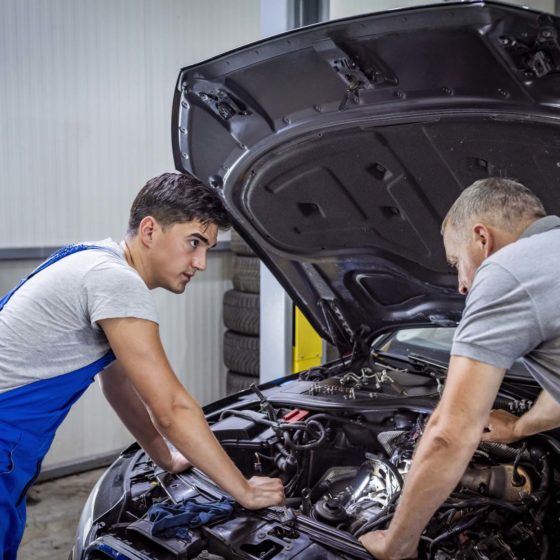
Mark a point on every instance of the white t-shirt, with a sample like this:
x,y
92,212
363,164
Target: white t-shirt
x,y
49,326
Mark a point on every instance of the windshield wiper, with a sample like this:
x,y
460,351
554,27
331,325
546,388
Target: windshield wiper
x,y
425,363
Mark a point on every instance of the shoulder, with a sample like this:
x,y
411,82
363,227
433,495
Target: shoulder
x,y
526,251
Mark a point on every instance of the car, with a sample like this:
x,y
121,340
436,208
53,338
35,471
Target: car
x,y
338,150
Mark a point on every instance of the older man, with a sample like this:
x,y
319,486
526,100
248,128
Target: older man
x,y
506,252
88,310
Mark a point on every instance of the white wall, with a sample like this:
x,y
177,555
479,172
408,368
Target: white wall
x,y
85,119
346,8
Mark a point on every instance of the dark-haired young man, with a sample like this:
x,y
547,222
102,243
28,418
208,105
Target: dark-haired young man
x,y
88,310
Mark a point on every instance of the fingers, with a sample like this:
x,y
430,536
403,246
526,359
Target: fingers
x,y
500,427
265,492
378,545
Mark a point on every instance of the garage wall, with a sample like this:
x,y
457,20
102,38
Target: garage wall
x,y
85,100
346,8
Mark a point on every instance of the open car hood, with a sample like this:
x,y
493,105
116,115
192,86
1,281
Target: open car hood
x,y
339,148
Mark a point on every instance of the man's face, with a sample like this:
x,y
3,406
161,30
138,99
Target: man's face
x,y
178,252
465,255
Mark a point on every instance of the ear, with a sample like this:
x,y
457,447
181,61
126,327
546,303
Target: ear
x,y
146,230
484,238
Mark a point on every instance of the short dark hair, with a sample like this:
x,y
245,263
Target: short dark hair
x,y
176,198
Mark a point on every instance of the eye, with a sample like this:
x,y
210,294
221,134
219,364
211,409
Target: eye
x,y
194,243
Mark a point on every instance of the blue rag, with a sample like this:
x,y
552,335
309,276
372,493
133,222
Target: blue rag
x,y
175,520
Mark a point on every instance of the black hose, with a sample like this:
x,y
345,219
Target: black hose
x,y
322,434
455,530
518,479
373,524
381,517
483,503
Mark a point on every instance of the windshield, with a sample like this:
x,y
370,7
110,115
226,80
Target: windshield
x,y
432,343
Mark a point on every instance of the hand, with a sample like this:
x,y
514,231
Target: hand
x,y
262,492
501,427
378,545
178,463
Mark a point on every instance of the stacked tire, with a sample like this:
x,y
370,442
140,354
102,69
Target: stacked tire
x,y
241,311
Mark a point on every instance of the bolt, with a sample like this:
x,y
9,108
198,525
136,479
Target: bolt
x,y
286,120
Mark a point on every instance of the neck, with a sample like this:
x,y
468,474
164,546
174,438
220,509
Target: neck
x,y
133,256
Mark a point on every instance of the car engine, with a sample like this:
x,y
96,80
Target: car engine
x,y
342,443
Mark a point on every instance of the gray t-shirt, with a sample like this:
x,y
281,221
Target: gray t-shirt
x,y
513,308
49,326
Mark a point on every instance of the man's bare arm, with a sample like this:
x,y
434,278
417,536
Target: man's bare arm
x,y
448,443
504,427
176,415
124,399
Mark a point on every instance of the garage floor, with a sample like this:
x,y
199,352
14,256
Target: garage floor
x,y
53,511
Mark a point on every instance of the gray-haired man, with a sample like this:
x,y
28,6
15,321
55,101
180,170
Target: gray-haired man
x,y
505,250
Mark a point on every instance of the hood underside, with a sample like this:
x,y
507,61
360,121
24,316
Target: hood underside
x,y
339,148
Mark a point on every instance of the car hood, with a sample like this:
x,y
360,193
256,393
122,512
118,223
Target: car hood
x,y
339,148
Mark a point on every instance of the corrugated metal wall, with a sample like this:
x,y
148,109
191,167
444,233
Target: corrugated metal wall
x,y
346,8
85,109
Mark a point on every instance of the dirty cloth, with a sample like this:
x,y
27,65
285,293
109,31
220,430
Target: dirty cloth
x,y
173,521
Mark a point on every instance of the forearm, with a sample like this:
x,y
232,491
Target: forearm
x,y
448,443
124,400
543,416
186,428
177,416
438,465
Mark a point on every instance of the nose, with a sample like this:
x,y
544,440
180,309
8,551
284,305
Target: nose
x,y
199,262
462,287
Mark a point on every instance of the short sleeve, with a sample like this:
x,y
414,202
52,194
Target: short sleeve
x,y
114,290
500,323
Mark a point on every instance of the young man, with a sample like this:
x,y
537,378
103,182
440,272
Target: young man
x,y
88,310
506,254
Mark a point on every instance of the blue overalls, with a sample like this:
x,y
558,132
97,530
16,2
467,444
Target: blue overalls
x,y
29,417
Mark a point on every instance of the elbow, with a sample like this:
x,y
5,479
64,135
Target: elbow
x,y
450,436
169,417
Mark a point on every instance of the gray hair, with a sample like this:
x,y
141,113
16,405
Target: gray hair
x,y
502,203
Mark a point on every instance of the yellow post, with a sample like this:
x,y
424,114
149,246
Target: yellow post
x,y
308,345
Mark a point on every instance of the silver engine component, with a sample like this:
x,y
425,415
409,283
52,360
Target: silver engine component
x,y
372,489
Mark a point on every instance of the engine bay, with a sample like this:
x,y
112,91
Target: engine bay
x,y
342,442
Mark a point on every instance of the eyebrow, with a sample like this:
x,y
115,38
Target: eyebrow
x,y
203,239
